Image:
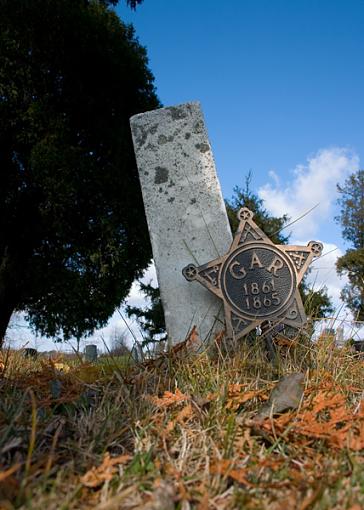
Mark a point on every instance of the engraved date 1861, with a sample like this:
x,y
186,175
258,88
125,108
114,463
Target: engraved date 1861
x,y
256,296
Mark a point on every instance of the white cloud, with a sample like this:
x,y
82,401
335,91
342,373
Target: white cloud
x,y
311,184
275,178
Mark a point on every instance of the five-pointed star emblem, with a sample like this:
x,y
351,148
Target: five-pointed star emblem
x,y
256,279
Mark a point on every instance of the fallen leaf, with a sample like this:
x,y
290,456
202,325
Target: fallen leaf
x,y
282,340
312,498
204,501
181,417
236,398
185,413
168,399
96,476
193,341
356,442
323,400
226,468
8,472
62,367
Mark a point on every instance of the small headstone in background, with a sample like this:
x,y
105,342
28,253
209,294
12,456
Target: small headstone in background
x,y
185,211
90,353
340,342
137,353
29,352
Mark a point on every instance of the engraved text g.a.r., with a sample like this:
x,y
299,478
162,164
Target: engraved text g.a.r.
x,y
238,271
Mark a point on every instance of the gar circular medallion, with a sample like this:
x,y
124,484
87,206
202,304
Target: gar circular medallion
x,y
258,280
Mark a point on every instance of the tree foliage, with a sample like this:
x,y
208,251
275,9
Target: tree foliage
x,y
317,303
131,3
119,343
352,264
351,203
73,234
351,218
150,319
245,197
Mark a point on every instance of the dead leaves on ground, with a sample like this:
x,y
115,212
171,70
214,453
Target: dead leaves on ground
x,y
325,415
203,448
238,394
96,476
227,468
42,378
8,472
330,418
181,407
168,399
178,406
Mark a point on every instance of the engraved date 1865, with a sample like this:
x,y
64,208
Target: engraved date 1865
x,y
256,296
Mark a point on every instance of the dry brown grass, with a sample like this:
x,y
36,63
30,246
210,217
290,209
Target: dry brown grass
x,y
179,433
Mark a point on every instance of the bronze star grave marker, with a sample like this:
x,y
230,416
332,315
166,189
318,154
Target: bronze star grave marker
x,y
256,279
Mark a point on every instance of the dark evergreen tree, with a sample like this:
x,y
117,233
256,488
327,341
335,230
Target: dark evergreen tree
x,y
150,319
244,197
351,219
73,234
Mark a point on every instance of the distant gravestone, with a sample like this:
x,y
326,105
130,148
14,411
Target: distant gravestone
x,y
340,342
137,353
185,211
29,352
90,353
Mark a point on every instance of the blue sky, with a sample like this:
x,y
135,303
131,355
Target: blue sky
x,y
281,86
278,80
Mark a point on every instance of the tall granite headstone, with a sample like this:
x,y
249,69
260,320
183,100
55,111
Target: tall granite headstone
x,y
185,211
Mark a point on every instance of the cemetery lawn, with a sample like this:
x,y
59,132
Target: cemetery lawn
x,y
179,432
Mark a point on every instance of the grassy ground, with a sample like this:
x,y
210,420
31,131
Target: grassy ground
x,y
179,433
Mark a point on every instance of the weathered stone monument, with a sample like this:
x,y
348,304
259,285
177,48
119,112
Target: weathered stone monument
x,y
90,353
255,281
185,212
